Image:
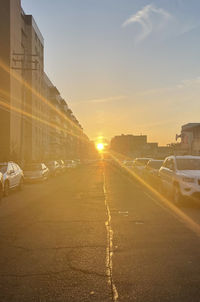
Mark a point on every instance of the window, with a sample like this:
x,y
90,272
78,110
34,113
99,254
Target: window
x,y
169,164
188,163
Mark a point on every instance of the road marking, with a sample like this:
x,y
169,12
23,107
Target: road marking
x,y
121,212
109,248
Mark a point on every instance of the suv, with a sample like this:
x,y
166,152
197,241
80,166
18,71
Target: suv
x,y
180,176
13,176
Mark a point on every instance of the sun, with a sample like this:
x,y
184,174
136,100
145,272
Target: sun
x,y
100,147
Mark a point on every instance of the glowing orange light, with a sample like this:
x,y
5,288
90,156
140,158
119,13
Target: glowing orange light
x,y
100,147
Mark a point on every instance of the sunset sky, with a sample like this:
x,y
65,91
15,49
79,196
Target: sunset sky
x,y
124,66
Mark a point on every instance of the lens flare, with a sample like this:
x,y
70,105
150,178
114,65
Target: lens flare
x,y
100,147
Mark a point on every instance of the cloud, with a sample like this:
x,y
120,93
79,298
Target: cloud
x,y
188,83
184,84
107,100
150,18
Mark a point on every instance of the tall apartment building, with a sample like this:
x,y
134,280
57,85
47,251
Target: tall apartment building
x,y
35,121
11,93
21,75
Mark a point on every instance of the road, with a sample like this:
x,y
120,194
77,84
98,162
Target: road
x,y
96,234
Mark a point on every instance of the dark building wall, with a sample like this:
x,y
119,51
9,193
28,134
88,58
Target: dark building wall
x,y
16,95
128,144
4,79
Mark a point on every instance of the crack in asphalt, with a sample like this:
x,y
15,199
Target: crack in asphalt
x,y
52,273
109,249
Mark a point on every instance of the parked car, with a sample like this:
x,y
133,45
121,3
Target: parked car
x,y
128,163
152,170
13,176
70,164
62,165
139,164
180,177
54,167
1,186
77,162
153,166
35,172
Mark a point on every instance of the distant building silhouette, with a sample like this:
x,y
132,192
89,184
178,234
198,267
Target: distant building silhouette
x,y
129,145
137,146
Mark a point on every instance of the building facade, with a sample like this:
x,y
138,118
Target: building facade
x,y
129,145
134,146
190,139
35,121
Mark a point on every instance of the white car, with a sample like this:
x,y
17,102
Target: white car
x,y
13,176
180,177
139,164
128,163
70,164
152,169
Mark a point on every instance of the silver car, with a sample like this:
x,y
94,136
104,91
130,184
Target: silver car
x,y
13,176
35,172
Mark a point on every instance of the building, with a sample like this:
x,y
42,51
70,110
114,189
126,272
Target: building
x,y
134,146
190,139
129,145
11,93
35,121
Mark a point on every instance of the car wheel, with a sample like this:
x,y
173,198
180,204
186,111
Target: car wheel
x,y
6,188
177,197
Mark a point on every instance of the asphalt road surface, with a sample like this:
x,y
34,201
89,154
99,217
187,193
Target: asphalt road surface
x,y
96,234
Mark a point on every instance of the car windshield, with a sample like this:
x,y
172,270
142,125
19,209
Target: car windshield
x,y
188,163
141,162
3,168
155,164
32,167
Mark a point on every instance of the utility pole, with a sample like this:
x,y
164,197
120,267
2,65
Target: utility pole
x,y
24,62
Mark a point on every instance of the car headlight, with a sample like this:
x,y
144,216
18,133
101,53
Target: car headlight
x,y
189,179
